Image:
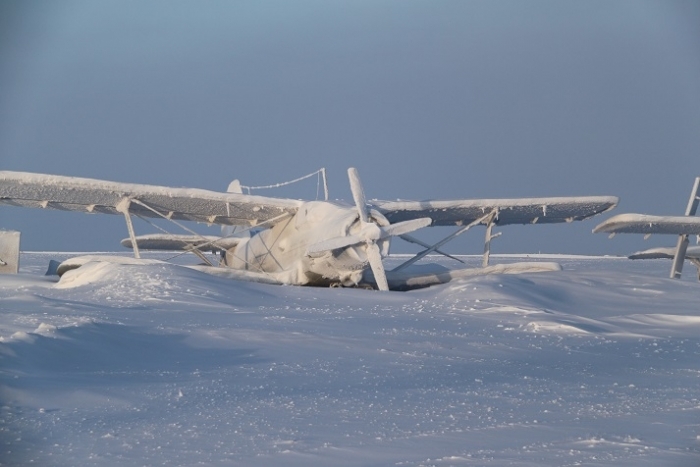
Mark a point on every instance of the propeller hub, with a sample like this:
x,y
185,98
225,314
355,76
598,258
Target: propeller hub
x,y
370,232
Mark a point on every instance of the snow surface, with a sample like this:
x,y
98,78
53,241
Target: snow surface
x,y
598,364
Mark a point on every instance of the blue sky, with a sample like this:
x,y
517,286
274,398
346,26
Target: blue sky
x,y
429,100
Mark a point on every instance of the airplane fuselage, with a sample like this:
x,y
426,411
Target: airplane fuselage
x,y
281,251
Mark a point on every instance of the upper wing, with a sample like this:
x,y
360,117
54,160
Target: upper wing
x,y
507,211
644,224
89,195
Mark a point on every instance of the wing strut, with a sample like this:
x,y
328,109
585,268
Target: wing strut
x,y
412,239
682,245
487,242
487,219
193,249
123,207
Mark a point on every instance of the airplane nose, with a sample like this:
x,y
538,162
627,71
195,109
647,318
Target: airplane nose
x,y
370,232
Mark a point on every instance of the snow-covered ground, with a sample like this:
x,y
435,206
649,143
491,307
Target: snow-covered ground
x,y
161,365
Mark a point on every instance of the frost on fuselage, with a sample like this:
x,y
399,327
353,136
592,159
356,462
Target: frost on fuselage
x,y
282,249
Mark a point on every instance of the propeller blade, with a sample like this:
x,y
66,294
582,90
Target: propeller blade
x,y
401,228
334,244
375,262
358,194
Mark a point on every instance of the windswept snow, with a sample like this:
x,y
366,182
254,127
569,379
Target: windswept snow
x,y
155,364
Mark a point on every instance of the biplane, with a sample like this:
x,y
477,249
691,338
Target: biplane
x,y
683,226
288,241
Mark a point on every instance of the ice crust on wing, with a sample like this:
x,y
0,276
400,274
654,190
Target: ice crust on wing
x,y
692,252
90,195
646,224
597,364
510,211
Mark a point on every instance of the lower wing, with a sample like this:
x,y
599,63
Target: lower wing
x,y
407,280
692,252
182,242
645,224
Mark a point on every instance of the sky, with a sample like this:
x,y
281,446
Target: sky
x,y
428,100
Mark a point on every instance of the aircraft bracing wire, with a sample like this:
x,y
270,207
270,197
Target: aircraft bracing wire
x,y
320,173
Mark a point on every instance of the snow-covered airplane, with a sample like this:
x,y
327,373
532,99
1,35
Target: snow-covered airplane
x,y
689,224
300,242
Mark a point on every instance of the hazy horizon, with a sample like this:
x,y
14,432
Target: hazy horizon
x,y
437,100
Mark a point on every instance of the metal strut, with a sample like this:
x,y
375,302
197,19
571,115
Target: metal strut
x,y
682,244
487,219
487,243
123,207
411,239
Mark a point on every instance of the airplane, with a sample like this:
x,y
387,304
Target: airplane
x,y
296,242
683,226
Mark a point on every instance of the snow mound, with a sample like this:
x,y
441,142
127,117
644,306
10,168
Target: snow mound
x,y
563,303
130,285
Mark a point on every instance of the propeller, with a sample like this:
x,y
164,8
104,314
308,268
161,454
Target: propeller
x,y
370,233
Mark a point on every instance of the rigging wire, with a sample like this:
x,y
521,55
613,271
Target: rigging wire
x,y
320,174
